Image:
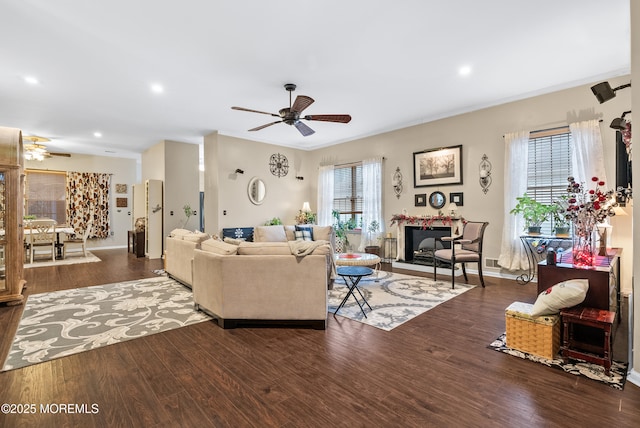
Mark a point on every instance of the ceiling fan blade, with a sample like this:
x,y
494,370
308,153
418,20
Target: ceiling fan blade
x,y
304,129
264,126
254,111
340,118
301,103
66,155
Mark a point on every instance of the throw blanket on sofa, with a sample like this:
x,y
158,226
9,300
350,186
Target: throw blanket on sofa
x,y
303,248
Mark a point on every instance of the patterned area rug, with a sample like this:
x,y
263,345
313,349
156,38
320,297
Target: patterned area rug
x,y
616,378
70,260
66,322
394,298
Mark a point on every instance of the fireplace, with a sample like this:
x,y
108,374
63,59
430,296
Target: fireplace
x,y
419,243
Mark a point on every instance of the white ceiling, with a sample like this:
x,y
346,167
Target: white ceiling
x,y
388,64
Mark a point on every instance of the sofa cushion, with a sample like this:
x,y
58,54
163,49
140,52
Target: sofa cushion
x,y
218,247
562,295
322,233
264,248
197,237
233,241
274,233
290,231
179,233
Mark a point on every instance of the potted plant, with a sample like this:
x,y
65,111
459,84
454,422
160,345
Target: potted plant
x,y
188,212
273,222
372,231
533,212
341,228
561,224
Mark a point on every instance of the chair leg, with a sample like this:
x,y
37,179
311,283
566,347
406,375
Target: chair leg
x,y
464,272
453,276
435,268
480,273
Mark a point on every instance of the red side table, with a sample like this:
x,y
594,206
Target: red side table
x,y
574,346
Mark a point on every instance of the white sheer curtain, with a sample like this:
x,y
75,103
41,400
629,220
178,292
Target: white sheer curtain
x,y
588,154
325,195
371,200
516,157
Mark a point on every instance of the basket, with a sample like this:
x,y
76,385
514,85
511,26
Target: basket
x,y
535,335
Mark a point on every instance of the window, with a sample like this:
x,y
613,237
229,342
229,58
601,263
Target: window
x,y
347,193
45,195
549,166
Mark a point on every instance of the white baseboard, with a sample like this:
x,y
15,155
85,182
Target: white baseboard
x,y
634,377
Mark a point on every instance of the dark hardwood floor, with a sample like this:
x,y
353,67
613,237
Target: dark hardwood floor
x,y
435,370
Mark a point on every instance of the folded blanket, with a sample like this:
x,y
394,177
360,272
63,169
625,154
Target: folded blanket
x,y
304,248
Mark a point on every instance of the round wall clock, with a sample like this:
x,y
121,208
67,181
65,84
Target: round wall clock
x,y
279,165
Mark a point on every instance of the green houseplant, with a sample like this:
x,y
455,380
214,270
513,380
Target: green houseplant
x,y
341,228
533,212
561,224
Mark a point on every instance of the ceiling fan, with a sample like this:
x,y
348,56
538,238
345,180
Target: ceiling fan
x,y
37,151
292,115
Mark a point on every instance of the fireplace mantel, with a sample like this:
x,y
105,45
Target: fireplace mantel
x,y
425,222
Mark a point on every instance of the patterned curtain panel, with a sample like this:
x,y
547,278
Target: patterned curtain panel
x,y
88,194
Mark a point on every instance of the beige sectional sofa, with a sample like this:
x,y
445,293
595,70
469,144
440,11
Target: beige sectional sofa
x,y
275,280
179,247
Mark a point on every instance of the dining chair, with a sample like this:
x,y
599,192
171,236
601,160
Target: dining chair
x,y
470,250
42,234
78,239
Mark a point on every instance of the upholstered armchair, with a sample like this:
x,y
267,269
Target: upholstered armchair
x,y
469,251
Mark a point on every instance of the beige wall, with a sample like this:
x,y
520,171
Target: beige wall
x,y
284,195
123,172
481,133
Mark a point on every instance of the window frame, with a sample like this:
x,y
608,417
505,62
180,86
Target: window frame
x,y
353,214
61,220
551,187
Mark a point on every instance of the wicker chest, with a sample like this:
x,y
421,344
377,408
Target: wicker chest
x,y
536,335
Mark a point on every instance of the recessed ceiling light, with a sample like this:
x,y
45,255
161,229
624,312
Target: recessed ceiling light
x,y
464,71
97,134
158,89
31,80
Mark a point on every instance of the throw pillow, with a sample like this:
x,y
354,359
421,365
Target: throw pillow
x,y
196,237
218,247
303,235
562,295
274,233
303,228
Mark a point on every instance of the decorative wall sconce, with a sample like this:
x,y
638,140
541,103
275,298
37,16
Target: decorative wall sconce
x,y
299,177
239,171
485,173
397,182
604,92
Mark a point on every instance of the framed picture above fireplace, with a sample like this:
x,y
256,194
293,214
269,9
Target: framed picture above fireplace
x,y
436,167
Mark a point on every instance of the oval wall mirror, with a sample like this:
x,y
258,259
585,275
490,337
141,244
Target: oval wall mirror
x,y
256,190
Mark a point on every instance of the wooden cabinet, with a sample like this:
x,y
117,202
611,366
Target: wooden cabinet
x,y
11,208
604,280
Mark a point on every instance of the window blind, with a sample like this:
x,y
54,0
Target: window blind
x,y
347,193
548,168
45,195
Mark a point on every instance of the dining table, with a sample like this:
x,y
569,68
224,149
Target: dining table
x,y
59,244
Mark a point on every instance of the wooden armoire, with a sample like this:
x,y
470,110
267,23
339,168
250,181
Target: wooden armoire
x,y
11,216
